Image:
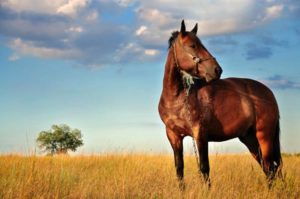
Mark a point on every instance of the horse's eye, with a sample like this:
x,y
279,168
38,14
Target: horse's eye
x,y
193,46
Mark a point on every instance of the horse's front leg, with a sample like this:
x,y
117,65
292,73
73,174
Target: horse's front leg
x,y
202,145
177,145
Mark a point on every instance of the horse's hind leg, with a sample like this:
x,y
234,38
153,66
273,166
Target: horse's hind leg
x,y
176,142
277,153
266,145
251,143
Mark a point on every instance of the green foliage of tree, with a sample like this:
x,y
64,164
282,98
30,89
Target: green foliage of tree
x,y
59,139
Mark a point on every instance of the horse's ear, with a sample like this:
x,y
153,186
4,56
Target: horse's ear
x,y
182,29
195,29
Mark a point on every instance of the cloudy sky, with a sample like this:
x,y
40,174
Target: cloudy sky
x,y
97,65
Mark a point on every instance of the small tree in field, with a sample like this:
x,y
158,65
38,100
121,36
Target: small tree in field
x,y
59,139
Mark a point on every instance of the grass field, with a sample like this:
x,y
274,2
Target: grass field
x,y
140,176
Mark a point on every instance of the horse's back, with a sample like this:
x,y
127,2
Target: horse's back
x,y
240,104
250,88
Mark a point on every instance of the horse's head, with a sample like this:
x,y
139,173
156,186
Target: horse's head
x,y
191,56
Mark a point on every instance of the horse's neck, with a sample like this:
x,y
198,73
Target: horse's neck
x,y
174,95
172,84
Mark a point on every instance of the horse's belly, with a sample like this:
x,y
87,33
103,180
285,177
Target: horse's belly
x,y
227,134
219,138
229,131
232,121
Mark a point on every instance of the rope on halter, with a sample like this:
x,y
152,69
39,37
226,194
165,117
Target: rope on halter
x,y
196,152
188,81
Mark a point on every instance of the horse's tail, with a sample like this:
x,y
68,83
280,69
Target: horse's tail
x,y
277,151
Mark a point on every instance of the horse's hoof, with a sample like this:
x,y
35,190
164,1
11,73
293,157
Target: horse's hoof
x,y
208,183
181,185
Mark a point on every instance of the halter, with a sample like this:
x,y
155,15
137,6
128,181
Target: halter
x,y
188,79
197,60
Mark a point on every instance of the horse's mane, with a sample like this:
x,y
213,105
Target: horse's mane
x,y
173,37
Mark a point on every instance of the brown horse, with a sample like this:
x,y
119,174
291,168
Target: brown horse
x,y
196,102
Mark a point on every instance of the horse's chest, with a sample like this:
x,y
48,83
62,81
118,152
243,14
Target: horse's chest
x,y
179,119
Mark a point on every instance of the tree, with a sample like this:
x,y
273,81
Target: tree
x,y
59,139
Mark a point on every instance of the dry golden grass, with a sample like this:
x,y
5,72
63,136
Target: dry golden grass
x,y
140,176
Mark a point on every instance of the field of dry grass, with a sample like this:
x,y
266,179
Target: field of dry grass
x,y
140,176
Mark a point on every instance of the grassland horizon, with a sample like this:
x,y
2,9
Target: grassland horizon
x,y
137,175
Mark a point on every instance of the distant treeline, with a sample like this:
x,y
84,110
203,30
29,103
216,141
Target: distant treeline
x,y
290,154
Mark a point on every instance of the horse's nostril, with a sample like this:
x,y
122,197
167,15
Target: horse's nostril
x,y
218,70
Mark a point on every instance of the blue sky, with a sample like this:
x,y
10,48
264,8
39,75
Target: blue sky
x,y
98,65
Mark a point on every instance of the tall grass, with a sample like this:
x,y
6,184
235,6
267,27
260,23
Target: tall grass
x,y
140,176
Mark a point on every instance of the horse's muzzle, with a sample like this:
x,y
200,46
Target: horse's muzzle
x,y
218,71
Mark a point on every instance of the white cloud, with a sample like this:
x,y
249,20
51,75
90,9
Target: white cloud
x,y
154,15
133,52
77,29
273,12
213,17
125,49
71,7
141,30
151,52
161,17
29,48
214,27
92,16
44,6
45,29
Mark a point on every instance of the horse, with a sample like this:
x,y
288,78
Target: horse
x,y
196,102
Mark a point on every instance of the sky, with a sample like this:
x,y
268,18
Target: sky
x,y
97,65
